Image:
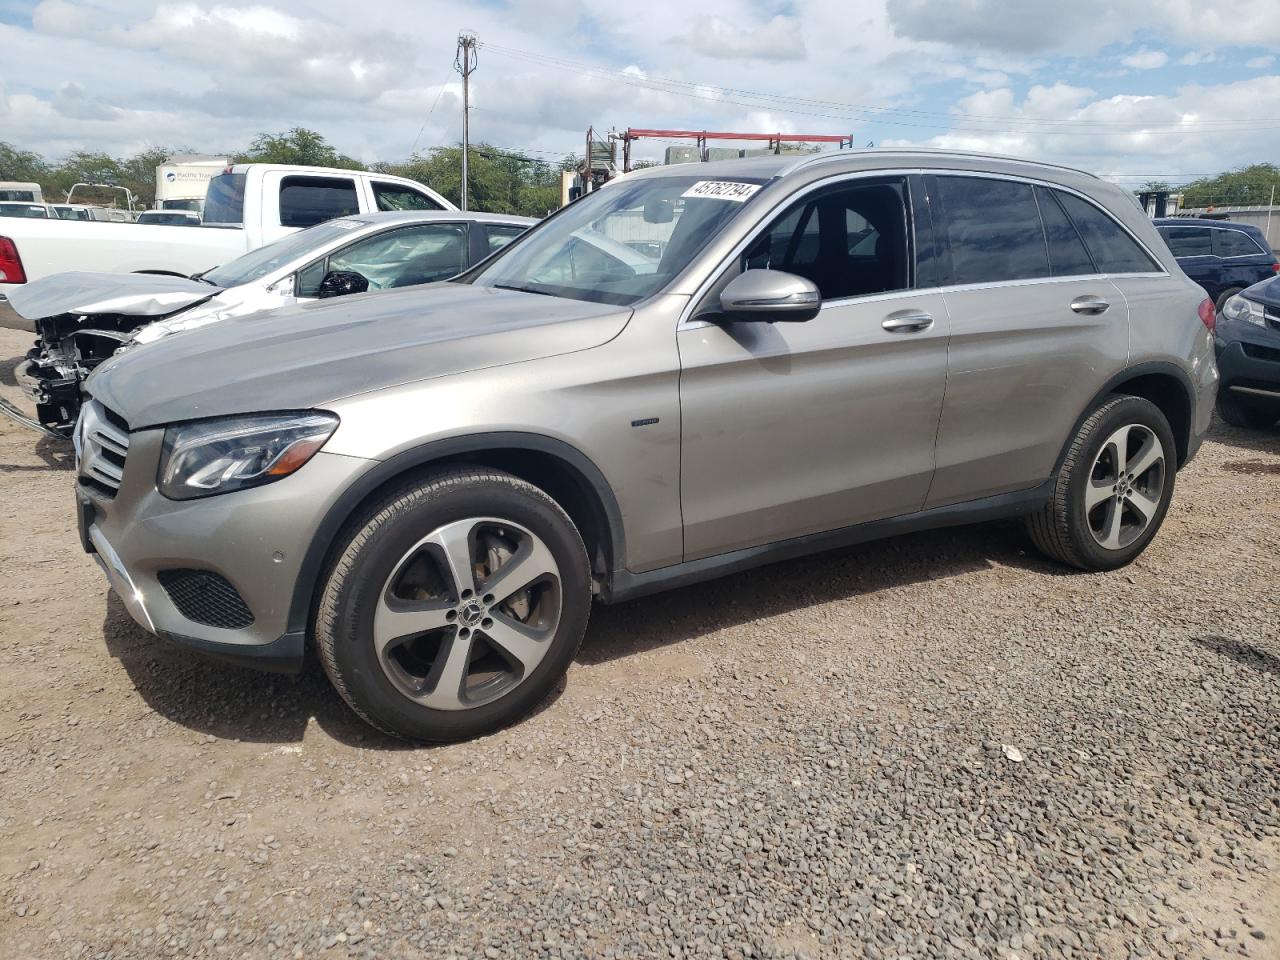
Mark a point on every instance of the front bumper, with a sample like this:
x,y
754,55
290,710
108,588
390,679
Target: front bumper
x,y
1248,357
9,317
254,539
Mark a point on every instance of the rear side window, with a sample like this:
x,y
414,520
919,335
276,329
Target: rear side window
x,y
1188,241
306,201
993,229
393,196
1234,243
1067,254
224,199
1112,249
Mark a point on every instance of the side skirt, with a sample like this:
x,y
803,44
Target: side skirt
x,y
625,585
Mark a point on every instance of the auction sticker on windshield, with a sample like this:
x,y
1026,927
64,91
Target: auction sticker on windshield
x,y
722,190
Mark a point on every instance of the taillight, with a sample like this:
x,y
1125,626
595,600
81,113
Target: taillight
x,y
1276,266
10,263
1208,316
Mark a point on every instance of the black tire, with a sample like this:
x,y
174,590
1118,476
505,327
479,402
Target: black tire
x,y
1251,415
1061,529
1225,296
375,543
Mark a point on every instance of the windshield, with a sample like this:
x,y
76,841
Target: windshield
x,y
256,264
622,243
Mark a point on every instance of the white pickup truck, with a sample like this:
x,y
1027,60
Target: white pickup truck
x,y
246,206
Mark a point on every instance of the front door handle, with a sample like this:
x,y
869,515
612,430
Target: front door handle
x,y
1090,305
907,321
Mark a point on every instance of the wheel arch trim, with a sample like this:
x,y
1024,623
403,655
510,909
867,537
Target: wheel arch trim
x,y
1163,368
322,541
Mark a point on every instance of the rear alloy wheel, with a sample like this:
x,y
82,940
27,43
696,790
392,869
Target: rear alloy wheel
x,y
457,604
1251,415
1113,489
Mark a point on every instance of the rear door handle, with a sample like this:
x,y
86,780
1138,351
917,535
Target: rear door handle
x,y
1090,305
907,321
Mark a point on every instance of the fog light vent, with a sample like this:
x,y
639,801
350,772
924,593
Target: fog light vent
x,y
206,597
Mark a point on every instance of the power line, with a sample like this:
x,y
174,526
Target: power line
x,y
782,103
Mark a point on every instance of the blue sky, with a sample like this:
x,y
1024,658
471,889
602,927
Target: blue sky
x,y
1091,84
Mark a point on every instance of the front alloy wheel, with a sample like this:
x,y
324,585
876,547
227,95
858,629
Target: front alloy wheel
x,y
454,605
468,612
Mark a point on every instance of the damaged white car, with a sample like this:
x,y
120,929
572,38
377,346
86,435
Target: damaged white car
x,y
82,319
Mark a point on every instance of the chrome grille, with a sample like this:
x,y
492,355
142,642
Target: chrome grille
x,y
101,444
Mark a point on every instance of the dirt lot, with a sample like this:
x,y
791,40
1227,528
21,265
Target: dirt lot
x,y
936,746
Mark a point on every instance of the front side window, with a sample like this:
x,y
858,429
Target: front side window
x,y
1112,249
306,201
993,229
397,258
394,196
1234,243
279,253
622,243
850,241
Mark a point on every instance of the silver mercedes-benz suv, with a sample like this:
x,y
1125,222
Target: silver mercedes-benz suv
x,y
691,371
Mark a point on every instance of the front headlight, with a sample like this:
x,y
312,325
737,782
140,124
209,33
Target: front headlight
x,y
217,456
1238,308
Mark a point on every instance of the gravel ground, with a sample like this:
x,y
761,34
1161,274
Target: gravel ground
x,y
939,746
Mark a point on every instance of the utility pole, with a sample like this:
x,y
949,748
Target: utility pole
x,y
465,63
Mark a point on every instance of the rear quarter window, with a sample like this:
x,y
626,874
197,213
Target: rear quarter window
x,y
306,201
1234,243
224,199
1112,248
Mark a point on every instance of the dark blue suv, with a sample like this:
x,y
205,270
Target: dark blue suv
x,y
1222,256
1247,340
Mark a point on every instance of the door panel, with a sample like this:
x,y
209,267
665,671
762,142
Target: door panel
x,y
1023,366
796,428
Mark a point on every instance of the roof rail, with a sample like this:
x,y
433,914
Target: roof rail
x,y
819,158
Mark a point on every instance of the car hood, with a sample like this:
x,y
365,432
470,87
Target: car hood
x,y
308,355
131,294
1265,291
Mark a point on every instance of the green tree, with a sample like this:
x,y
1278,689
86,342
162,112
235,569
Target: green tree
x,y
500,181
21,165
1245,186
297,146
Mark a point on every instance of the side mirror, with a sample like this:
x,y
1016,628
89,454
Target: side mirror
x,y
338,283
770,296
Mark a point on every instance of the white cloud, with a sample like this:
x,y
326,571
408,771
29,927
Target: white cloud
x,y
118,75
1121,136
1145,59
778,39
1260,63
1084,26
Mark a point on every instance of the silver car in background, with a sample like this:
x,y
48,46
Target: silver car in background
x,y
431,486
83,318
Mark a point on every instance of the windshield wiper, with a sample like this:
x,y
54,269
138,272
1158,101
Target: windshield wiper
x,y
511,286
200,276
